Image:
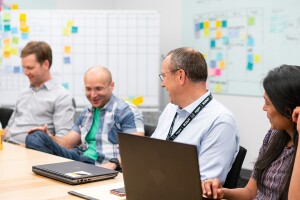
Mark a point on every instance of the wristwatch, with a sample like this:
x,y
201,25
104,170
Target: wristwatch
x,y
117,162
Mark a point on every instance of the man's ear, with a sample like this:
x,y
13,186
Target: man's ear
x,y
46,63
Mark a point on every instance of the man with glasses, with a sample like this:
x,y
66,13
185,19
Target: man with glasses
x,y
95,132
193,116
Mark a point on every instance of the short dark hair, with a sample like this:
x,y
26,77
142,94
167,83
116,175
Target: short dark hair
x,y
41,49
190,61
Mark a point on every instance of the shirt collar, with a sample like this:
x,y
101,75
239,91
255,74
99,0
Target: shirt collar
x,y
193,105
48,85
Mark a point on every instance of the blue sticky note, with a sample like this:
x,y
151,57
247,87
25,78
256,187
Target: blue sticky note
x,y
219,56
201,25
67,60
14,30
213,64
6,27
250,66
65,85
250,42
224,24
225,40
212,44
197,27
17,69
74,29
250,58
25,36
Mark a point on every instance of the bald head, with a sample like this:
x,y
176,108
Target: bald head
x,y
100,72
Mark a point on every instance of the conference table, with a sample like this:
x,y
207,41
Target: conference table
x,y
17,181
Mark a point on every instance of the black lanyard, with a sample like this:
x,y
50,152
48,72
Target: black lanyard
x,y
188,119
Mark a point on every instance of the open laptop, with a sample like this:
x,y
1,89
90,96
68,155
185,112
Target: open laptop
x,y
74,172
153,169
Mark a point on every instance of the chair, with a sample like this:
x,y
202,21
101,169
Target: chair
x,y
149,129
234,173
5,114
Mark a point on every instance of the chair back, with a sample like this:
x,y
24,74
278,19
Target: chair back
x,y
5,114
234,173
149,129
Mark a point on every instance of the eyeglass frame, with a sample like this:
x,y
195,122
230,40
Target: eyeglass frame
x,y
162,75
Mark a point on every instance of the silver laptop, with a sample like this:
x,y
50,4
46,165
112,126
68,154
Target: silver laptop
x,y
74,172
159,169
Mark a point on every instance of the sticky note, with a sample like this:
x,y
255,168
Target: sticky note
x,y
22,17
250,42
206,32
212,63
197,28
250,66
250,58
212,44
211,71
15,40
14,30
6,41
65,85
67,60
6,54
24,36
138,100
67,49
224,24
221,64
24,29
219,56
14,51
70,23
251,21
256,58
14,6
225,40
67,31
74,29
218,34
218,88
6,17
17,69
218,24
201,25
206,24
7,27
218,72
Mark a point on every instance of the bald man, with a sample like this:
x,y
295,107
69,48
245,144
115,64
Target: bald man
x,y
94,135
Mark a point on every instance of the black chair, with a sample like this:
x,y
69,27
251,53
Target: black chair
x,y
5,114
234,173
149,129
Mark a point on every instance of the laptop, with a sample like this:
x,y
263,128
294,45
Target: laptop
x,y
159,169
74,172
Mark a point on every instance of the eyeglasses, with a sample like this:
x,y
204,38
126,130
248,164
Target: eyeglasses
x,y
162,75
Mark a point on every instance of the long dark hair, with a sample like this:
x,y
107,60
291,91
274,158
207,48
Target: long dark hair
x,y
282,85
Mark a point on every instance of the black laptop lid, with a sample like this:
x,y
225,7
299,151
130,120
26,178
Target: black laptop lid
x,y
159,169
74,172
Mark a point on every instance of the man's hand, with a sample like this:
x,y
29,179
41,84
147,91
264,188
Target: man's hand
x,y
109,165
212,188
40,128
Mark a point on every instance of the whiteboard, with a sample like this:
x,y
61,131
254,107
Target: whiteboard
x,y
242,40
127,42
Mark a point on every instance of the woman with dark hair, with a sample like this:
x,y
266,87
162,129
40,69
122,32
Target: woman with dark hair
x,y
276,173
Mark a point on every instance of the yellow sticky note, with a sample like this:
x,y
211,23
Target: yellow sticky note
x,y
67,31
15,40
206,32
256,58
7,48
15,6
218,24
14,51
221,64
206,24
24,29
218,34
218,88
22,17
67,49
204,55
6,41
138,100
6,54
70,23
6,17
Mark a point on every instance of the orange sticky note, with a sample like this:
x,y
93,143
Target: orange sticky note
x,y
22,17
218,34
67,49
221,64
138,100
24,29
6,41
6,54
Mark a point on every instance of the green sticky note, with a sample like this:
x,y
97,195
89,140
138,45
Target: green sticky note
x,y
15,40
6,17
251,21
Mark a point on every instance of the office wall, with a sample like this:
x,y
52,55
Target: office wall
x,y
252,121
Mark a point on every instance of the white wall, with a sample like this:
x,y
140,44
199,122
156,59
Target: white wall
x,y
252,121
